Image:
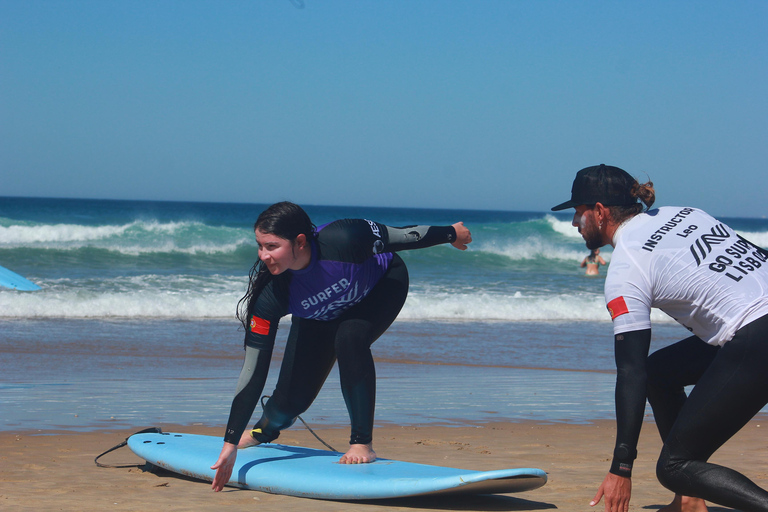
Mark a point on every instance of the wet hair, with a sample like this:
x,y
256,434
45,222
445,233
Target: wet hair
x,y
644,192
285,220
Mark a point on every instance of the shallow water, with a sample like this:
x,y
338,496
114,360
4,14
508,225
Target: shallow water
x,y
89,374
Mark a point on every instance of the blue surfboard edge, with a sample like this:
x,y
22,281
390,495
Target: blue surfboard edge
x,y
274,468
14,281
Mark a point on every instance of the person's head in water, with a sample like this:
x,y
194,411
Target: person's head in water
x,y
605,196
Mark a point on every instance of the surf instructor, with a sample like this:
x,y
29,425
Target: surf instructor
x,y
343,285
713,282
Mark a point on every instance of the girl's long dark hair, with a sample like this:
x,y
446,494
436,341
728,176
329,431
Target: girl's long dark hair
x,y
285,220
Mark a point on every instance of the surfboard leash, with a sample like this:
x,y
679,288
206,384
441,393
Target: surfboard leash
x,y
150,430
316,436
306,425
158,430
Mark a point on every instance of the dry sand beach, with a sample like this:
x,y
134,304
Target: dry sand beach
x,y
56,470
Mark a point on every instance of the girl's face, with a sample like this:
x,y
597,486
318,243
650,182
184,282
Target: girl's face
x,y
279,254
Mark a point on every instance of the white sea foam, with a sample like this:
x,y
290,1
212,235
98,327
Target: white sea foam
x,y
757,238
19,235
564,227
135,238
532,248
171,247
191,297
509,308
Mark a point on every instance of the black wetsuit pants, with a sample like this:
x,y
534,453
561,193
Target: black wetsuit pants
x,y
313,346
731,386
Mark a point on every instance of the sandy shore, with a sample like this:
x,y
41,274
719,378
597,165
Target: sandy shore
x,y
55,471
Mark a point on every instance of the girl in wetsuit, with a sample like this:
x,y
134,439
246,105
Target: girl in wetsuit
x,y
343,285
714,283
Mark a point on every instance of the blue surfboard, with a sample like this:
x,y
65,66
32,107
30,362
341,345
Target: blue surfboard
x,y
15,281
310,473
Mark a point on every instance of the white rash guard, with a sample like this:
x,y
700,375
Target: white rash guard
x,y
691,266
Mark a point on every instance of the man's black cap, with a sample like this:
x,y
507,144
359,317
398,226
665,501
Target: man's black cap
x,y
603,184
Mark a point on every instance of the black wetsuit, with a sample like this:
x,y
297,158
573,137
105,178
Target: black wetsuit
x,y
340,304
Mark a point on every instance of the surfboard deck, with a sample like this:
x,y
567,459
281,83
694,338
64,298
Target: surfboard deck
x,y
11,279
311,473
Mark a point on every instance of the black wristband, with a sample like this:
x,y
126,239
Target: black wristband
x,y
623,456
621,468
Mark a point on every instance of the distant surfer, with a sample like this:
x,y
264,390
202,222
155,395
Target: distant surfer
x,y
344,285
592,262
715,283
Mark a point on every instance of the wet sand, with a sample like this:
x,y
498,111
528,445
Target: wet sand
x,y
56,470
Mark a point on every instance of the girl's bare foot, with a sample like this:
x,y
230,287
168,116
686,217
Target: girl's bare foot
x,y
358,454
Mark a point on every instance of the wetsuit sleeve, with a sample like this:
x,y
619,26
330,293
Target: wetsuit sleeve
x,y
631,349
249,389
356,240
270,306
416,237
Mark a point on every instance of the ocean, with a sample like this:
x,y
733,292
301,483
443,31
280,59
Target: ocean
x,y
135,319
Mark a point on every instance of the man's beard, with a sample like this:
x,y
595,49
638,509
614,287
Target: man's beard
x,y
591,233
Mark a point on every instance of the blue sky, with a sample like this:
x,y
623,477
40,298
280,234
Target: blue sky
x,y
448,104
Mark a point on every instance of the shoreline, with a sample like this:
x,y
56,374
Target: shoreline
x,y
56,470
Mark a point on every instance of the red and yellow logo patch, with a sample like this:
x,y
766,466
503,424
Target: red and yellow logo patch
x,y
259,326
617,307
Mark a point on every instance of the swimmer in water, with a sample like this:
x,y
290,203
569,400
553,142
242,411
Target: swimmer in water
x,y
593,262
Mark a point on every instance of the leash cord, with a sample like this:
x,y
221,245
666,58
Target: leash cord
x,y
307,426
153,430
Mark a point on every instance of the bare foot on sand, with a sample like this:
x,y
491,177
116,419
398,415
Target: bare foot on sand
x,y
358,454
685,504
